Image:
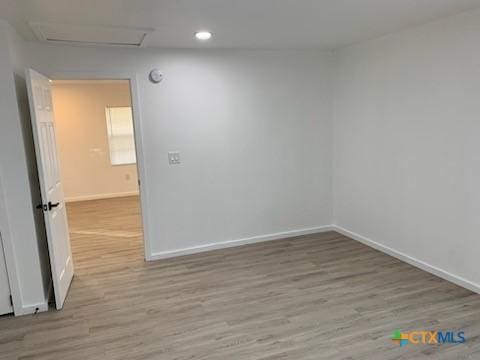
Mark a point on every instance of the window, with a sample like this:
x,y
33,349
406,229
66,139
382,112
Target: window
x,y
120,135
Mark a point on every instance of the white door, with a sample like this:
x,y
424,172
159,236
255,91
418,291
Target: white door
x,y
53,207
5,304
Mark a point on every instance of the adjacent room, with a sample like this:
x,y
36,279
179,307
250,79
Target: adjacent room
x,y
97,157
221,179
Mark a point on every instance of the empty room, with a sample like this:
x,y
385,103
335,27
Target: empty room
x,y
221,179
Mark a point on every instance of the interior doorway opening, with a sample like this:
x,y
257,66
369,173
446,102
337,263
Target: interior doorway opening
x,y
96,146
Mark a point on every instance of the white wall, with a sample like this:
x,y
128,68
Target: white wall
x,y
253,129
22,227
82,140
407,144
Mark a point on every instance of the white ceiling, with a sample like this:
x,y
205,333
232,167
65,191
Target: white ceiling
x,y
238,23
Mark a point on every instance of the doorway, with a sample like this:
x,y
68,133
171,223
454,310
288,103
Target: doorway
x,y
98,167
122,142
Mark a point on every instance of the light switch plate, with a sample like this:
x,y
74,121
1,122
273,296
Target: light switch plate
x,y
174,157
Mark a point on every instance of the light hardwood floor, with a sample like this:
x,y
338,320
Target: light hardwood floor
x,y
321,296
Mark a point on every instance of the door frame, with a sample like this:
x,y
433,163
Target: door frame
x,y
10,260
138,135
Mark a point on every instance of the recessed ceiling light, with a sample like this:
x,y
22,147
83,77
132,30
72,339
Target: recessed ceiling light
x,y
203,35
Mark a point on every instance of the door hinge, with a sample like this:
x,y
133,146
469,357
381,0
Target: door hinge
x,y
138,182
11,300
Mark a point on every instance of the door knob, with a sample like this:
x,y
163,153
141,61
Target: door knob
x,y
42,207
51,206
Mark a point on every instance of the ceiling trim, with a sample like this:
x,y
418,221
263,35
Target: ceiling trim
x,y
90,82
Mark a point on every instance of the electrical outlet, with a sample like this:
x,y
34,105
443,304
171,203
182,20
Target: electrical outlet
x,y
174,157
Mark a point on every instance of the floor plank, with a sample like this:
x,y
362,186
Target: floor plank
x,y
321,296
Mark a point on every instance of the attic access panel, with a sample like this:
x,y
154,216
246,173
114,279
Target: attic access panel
x,y
90,35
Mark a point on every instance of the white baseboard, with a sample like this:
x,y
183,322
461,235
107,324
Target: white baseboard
x,y
238,242
458,280
100,196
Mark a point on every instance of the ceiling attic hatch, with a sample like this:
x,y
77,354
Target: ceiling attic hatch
x,y
90,35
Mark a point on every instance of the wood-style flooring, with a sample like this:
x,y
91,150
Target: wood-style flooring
x,y
320,296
